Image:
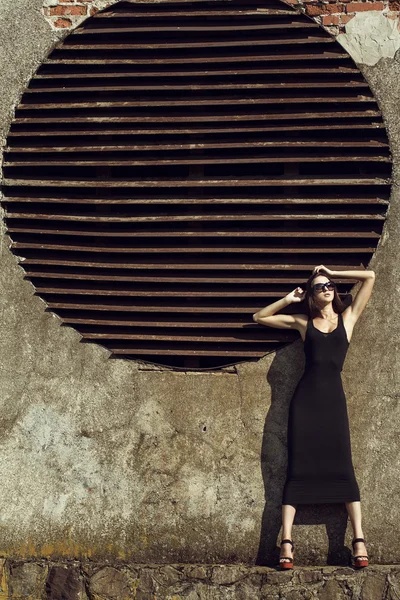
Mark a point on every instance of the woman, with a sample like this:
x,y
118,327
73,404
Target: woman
x,y
320,465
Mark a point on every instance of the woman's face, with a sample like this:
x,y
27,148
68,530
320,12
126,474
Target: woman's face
x,y
322,296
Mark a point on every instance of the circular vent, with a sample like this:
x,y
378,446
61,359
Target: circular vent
x,y
175,166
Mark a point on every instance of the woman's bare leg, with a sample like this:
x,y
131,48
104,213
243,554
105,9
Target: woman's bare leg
x,y
288,513
354,510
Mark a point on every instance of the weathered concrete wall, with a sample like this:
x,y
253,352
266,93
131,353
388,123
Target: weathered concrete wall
x,y
102,459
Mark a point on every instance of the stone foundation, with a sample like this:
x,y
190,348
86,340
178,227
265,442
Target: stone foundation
x,y
74,580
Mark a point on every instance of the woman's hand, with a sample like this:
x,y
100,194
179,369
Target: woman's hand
x,y
296,296
322,268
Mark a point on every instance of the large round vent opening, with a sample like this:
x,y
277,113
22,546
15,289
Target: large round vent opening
x,y
175,166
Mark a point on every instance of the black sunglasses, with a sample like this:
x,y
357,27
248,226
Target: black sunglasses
x,y
329,285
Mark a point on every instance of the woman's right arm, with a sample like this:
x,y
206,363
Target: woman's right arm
x,y
267,316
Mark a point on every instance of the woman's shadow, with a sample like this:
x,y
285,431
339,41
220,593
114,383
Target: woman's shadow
x,y
273,467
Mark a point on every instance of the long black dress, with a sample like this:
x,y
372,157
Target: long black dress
x,y
320,467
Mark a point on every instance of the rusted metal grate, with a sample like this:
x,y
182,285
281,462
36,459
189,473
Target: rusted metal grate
x,y
175,166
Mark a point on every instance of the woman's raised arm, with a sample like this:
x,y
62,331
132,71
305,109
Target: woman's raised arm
x,y
364,293
267,316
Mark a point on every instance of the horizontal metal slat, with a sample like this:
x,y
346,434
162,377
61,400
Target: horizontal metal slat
x,y
189,218
175,338
176,279
338,71
157,28
155,294
200,161
140,265
190,250
285,10
338,54
221,43
199,200
206,182
152,132
101,147
157,324
193,234
345,114
208,102
200,87
194,352
150,308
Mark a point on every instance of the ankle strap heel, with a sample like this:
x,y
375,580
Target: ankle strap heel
x,y
286,562
359,561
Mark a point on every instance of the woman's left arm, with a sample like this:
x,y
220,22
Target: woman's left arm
x,y
363,294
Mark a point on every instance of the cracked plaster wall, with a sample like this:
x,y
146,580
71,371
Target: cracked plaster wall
x,y
101,459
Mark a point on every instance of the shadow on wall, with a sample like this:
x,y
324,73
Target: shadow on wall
x,y
273,466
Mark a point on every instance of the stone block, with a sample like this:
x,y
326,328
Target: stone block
x,y
296,595
279,577
167,576
394,585
3,579
109,583
27,580
307,576
226,575
332,591
65,583
269,592
197,572
249,588
345,571
373,587
145,584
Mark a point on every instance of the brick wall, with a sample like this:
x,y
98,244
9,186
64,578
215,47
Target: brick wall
x,y
332,15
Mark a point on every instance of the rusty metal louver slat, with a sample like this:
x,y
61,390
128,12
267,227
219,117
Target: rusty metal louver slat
x,y
174,166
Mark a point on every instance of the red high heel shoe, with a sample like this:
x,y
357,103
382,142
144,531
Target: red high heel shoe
x,y
359,561
286,562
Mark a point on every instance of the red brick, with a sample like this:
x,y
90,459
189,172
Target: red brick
x,y
324,9
67,10
330,20
93,11
346,18
362,6
63,23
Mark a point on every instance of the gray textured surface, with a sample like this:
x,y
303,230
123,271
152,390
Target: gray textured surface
x,y
99,458
370,36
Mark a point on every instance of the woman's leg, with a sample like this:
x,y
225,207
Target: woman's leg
x,y
354,510
288,513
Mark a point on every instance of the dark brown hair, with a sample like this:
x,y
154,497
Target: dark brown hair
x,y
337,304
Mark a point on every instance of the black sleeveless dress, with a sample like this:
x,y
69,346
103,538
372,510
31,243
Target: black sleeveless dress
x,y
320,467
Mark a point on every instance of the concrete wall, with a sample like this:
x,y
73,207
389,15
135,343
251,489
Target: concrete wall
x,y
102,459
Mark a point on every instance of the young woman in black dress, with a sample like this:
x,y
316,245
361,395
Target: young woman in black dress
x,y
320,467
